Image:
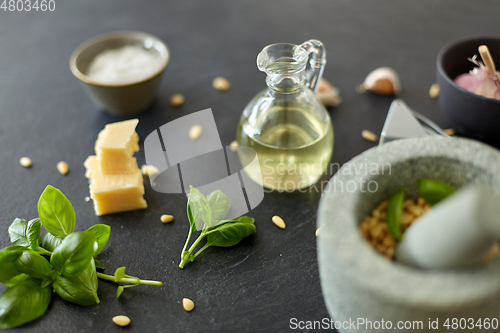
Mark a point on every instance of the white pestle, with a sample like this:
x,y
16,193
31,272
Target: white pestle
x,y
455,233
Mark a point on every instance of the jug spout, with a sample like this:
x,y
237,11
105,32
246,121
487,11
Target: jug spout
x,y
286,65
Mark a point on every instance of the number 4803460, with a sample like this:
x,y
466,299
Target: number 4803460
x,y
28,5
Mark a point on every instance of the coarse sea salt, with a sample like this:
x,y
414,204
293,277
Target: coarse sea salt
x,y
127,64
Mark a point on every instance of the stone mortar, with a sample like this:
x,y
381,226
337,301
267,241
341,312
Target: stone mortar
x,y
357,282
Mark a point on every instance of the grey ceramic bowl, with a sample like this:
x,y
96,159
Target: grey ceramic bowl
x,y
470,114
119,99
357,282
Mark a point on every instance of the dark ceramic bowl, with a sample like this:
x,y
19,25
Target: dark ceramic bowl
x,y
470,115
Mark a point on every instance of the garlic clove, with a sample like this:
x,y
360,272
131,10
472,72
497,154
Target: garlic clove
x,y
383,81
327,94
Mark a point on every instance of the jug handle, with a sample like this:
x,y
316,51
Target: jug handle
x,y
317,62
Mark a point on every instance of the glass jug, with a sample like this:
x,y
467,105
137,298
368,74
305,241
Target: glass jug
x,y
285,124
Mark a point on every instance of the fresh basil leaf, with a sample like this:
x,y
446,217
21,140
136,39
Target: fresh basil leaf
x,y
23,303
72,257
433,191
56,212
81,289
200,207
33,233
9,275
33,264
50,242
119,273
102,232
219,204
17,232
98,264
231,232
119,291
394,210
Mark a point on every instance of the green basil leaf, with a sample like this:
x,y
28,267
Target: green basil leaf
x,y
119,291
98,264
81,289
33,233
119,273
9,275
50,242
102,232
219,204
17,232
231,232
433,191
33,264
200,207
23,303
56,212
72,257
394,210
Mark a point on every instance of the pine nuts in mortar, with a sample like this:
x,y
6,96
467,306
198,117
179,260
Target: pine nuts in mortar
x,y
279,222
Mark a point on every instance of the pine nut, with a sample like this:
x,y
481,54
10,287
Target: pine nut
x,y
63,168
450,131
415,210
149,170
167,218
233,146
369,136
195,132
177,99
187,304
87,199
25,162
434,91
279,222
221,83
317,232
121,320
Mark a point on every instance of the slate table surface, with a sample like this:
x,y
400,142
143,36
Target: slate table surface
x,y
271,277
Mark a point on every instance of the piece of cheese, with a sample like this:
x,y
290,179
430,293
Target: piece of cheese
x,y
114,193
115,146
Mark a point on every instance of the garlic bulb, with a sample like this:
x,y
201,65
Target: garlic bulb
x,y
327,94
383,81
482,80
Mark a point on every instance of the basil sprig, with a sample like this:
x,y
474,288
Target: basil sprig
x,y
64,259
210,210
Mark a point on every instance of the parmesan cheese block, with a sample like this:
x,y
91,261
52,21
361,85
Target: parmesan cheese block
x,y
115,146
114,193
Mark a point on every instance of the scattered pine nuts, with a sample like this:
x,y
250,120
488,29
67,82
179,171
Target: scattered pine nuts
x,y
177,99
63,168
149,170
87,199
187,304
121,320
369,136
450,131
233,146
434,91
279,222
221,83
195,132
166,218
317,232
25,162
